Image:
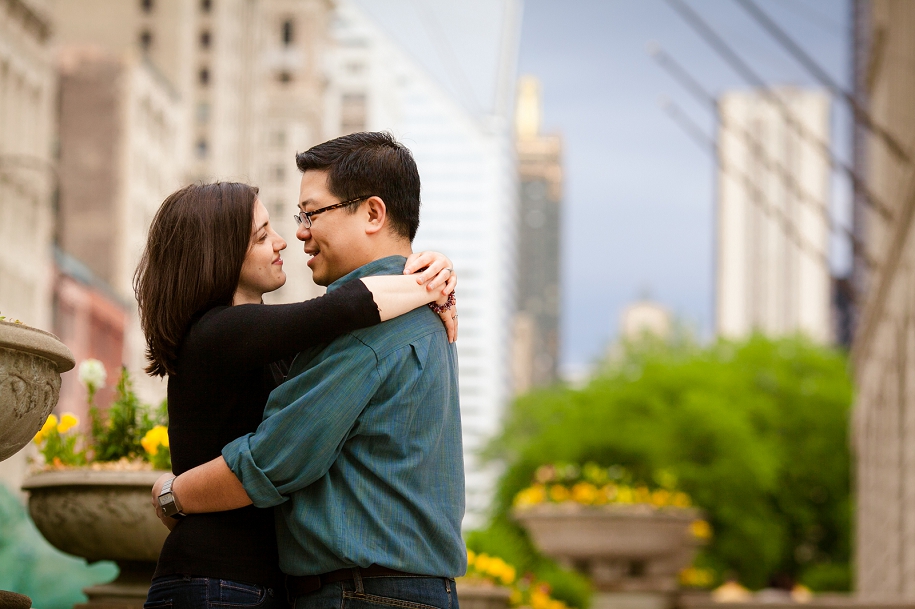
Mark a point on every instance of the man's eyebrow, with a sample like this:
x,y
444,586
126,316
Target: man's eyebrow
x,y
302,204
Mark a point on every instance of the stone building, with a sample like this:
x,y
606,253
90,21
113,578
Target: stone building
x,y
119,125
28,89
536,342
772,272
883,427
251,78
27,172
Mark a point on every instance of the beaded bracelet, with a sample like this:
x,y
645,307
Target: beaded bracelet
x,y
442,308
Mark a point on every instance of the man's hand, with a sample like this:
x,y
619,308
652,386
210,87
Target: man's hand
x,y
156,491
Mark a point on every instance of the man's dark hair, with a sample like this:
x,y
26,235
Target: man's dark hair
x,y
370,163
197,244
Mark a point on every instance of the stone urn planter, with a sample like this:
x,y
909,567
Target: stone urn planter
x,y
31,362
473,595
621,547
102,515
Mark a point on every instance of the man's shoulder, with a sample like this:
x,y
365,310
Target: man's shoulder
x,y
387,337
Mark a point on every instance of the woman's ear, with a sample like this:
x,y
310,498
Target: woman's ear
x,y
377,215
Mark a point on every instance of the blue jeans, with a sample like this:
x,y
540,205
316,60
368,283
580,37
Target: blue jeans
x,y
179,592
401,592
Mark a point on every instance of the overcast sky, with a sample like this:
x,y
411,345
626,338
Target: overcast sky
x,y
638,208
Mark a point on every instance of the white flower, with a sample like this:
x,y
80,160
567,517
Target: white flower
x,y
92,373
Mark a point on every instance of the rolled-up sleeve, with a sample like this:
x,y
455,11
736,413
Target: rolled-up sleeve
x,y
310,417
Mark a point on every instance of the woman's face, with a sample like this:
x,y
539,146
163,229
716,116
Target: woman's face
x,y
262,270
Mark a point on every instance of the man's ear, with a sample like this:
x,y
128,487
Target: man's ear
x,y
377,215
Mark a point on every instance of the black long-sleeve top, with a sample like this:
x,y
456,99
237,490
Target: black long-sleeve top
x,y
229,362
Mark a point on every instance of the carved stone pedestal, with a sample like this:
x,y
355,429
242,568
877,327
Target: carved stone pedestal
x,y
128,591
31,362
632,553
102,515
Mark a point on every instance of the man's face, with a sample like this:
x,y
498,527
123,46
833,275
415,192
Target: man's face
x,y
336,239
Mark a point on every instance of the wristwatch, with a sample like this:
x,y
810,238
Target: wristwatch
x,y
169,502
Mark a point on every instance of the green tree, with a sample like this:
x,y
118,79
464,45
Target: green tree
x,y
756,432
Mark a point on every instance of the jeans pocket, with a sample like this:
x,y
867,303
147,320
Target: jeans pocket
x,y
355,600
159,604
237,594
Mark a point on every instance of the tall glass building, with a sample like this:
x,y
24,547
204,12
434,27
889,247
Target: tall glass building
x,y
441,79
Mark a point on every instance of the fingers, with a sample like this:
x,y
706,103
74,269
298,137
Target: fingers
x,y
440,280
422,260
450,321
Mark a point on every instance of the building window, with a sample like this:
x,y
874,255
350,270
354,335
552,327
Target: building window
x,y
278,138
352,112
203,112
146,40
288,32
204,76
146,6
202,149
279,173
284,77
206,6
205,39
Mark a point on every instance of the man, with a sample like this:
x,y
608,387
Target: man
x,y
361,448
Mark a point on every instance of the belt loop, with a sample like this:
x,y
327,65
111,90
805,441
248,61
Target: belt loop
x,y
357,578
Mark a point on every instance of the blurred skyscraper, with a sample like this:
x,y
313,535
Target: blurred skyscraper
x,y
536,339
773,273
440,77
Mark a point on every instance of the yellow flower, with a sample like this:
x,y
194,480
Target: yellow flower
x,y
154,438
508,575
482,563
49,425
681,500
532,495
642,495
540,600
660,498
471,556
67,422
516,598
624,495
559,493
584,492
700,529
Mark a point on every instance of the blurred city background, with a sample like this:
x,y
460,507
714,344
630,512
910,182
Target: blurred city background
x,y
680,227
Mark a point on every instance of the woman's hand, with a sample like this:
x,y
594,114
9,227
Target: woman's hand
x,y
450,319
437,271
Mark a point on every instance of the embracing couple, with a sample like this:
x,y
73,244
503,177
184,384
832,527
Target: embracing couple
x,y
317,450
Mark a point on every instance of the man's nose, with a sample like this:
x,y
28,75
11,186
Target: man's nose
x,y
302,233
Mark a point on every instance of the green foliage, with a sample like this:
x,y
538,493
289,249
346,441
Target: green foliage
x,y
120,436
62,448
756,433
131,430
510,543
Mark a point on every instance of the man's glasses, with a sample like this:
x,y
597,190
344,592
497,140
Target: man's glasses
x,y
305,216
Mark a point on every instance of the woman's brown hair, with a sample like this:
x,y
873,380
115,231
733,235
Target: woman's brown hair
x,y
192,262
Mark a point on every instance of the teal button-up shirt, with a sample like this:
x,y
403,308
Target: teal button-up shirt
x,y
361,450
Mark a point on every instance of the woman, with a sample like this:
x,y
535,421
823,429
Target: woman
x,y
211,255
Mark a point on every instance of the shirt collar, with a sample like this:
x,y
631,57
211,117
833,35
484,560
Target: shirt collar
x,y
391,265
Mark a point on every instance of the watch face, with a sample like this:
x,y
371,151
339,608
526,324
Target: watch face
x,y
165,499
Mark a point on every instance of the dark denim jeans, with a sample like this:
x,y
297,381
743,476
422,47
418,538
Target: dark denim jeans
x,y
177,592
402,592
